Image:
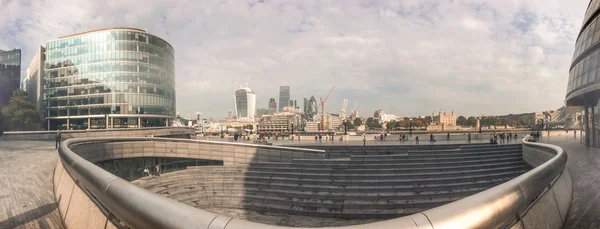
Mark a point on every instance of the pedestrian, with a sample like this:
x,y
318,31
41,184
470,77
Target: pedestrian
x,y
57,139
146,172
417,140
157,170
575,134
448,137
469,138
515,135
364,139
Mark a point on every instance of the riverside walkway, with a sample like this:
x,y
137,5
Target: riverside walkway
x,y
26,196
584,167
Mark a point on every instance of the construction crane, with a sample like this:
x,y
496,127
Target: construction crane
x,y
354,111
323,108
343,109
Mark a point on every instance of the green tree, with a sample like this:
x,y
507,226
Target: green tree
x,y
20,113
472,121
370,121
357,122
461,120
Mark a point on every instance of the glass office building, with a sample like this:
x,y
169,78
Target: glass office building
x,y
10,74
109,78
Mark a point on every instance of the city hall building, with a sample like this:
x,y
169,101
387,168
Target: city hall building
x,y
109,78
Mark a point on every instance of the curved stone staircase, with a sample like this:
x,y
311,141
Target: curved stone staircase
x,y
384,185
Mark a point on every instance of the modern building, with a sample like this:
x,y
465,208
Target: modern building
x,y
293,104
583,87
313,107
33,83
245,103
10,74
284,97
109,78
272,104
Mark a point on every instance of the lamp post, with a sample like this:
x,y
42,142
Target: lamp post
x,y
345,126
410,127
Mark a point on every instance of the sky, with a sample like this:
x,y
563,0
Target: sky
x,y
407,57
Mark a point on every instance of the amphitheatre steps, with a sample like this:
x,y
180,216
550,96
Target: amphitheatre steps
x,y
384,185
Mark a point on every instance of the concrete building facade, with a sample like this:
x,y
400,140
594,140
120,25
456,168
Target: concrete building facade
x,y
33,83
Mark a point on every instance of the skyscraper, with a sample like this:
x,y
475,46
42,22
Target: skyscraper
x,y
272,103
305,108
245,103
313,107
284,97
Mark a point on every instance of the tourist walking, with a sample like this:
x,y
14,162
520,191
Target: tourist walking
x,y
417,140
469,138
57,139
448,137
364,139
157,170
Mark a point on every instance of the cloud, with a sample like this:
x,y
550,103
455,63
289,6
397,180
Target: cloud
x,y
408,56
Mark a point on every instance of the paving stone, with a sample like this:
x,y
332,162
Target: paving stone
x,y
26,196
584,167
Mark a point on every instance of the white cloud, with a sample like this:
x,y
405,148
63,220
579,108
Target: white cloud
x,y
415,55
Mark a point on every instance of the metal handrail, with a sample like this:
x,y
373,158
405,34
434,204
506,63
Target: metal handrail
x,y
498,207
94,130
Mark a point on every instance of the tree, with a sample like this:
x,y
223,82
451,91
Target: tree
x,y
357,122
461,120
20,113
349,125
472,121
370,121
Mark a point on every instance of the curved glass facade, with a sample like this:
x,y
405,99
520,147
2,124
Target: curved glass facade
x,y
110,78
583,88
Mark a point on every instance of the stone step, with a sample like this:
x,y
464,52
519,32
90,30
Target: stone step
x,y
374,181
374,188
349,176
383,169
439,156
384,164
447,159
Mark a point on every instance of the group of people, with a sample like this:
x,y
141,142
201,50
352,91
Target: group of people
x,y
319,137
504,137
156,171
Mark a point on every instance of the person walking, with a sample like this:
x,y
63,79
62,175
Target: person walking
x,y
146,172
469,138
157,170
417,140
364,139
57,139
448,137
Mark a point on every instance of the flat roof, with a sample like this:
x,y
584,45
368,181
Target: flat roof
x,y
96,30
